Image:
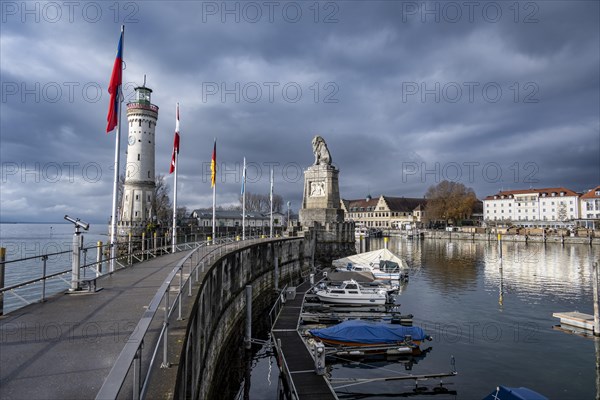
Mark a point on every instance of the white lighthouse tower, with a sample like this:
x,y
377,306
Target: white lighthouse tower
x,y
138,193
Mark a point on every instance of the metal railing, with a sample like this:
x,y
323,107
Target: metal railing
x,y
132,252
130,356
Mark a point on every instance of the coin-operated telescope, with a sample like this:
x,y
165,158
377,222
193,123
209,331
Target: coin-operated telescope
x,y
77,244
78,223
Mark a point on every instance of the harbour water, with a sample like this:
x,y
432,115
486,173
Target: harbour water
x,y
494,318
35,240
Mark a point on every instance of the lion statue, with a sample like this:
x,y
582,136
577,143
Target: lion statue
x,y
321,152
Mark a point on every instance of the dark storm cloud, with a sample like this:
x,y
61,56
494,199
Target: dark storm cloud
x,y
402,95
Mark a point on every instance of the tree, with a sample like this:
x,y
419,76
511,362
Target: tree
x,y
262,203
561,212
449,201
161,204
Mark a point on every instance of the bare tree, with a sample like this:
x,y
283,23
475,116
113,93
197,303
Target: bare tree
x,y
161,204
182,213
449,201
261,203
561,212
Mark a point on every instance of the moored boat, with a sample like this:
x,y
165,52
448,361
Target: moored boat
x,y
520,393
383,264
368,333
350,292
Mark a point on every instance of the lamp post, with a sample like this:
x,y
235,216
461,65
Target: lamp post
x,y
288,219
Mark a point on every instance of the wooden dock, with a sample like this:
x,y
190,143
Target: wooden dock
x,y
296,362
576,319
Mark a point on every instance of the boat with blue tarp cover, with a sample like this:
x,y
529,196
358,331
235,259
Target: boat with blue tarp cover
x,y
369,333
520,393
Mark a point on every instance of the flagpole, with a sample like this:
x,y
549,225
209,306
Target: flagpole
x,y
271,219
244,201
113,227
175,203
214,187
176,155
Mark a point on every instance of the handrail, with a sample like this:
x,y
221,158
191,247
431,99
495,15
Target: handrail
x,y
45,277
116,378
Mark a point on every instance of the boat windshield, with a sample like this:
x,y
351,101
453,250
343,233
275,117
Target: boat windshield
x,y
389,266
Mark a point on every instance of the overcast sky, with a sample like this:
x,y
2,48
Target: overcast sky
x,y
495,95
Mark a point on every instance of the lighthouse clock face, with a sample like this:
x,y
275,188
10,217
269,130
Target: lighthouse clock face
x,y
131,140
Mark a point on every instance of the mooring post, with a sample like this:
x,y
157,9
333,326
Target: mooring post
x,y
99,258
544,235
500,247
276,275
596,298
248,337
2,261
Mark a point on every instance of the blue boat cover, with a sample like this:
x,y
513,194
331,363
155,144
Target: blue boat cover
x,y
521,393
368,332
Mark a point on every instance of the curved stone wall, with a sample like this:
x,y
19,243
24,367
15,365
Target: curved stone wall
x,y
220,306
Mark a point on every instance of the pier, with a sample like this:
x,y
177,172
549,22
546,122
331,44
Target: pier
x,y
294,358
154,330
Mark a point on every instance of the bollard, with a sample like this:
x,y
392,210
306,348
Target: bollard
x,y
385,242
500,246
154,243
248,337
208,240
596,299
99,258
2,265
319,353
312,279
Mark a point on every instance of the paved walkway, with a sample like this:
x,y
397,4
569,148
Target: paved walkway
x,y
64,348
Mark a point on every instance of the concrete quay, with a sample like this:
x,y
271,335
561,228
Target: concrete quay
x,y
65,347
70,346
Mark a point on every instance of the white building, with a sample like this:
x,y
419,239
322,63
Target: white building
x,y
590,204
385,211
138,192
532,206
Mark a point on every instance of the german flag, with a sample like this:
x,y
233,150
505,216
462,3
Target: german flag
x,y
213,166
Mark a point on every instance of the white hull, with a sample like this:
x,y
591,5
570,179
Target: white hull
x,y
349,299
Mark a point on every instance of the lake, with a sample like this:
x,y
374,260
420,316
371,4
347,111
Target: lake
x,y
495,319
34,240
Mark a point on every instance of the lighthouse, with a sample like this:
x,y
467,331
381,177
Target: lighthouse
x,y
137,211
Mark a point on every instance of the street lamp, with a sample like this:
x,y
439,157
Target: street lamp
x,y
288,219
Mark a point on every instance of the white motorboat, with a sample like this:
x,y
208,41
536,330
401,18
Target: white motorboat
x,y
350,292
383,264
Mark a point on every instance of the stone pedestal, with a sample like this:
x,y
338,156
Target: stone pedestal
x,y
321,200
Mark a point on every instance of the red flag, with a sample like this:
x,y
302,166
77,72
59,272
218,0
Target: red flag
x,y
175,141
113,88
